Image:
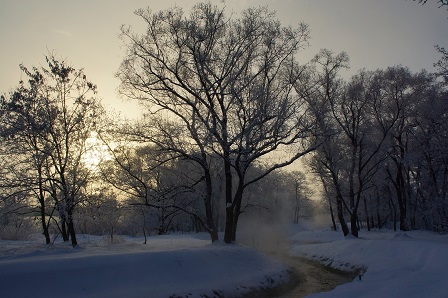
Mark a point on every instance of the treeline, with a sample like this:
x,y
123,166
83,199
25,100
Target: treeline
x,y
227,107
383,160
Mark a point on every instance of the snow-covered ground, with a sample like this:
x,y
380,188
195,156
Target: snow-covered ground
x,y
396,264
168,266
411,264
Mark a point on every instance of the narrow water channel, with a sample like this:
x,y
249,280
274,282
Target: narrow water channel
x,y
314,277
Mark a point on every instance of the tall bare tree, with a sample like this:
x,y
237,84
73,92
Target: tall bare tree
x,y
229,79
320,84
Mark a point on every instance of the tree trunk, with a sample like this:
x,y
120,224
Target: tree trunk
x,y
64,233
144,235
393,212
367,213
237,210
229,224
401,198
378,216
71,230
71,227
228,232
335,228
351,176
341,219
45,230
211,227
354,222
42,209
297,207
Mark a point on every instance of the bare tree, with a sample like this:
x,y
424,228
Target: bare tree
x,y
50,120
155,178
320,84
174,140
357,121
440,2
442,64
229,79
23,125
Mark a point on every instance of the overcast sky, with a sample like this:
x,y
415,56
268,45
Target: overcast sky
x,y
374,33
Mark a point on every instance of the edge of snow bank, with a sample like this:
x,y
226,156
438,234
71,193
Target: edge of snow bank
x,y
411,264
270,286
247,273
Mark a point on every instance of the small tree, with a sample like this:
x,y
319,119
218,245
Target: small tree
x,y
50,120
171,140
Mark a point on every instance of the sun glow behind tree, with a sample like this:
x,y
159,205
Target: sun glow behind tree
x,y
96,152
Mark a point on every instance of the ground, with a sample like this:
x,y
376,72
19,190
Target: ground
x,y
392,264
168,266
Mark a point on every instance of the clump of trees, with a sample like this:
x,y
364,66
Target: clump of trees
x,y
384,156
227,108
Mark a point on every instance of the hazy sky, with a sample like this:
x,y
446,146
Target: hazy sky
x,y
375,33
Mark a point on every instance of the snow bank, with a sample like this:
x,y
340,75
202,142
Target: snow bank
x,y
412,264
136,270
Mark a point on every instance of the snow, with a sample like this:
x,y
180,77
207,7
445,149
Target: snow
x,y
168,266
392,264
